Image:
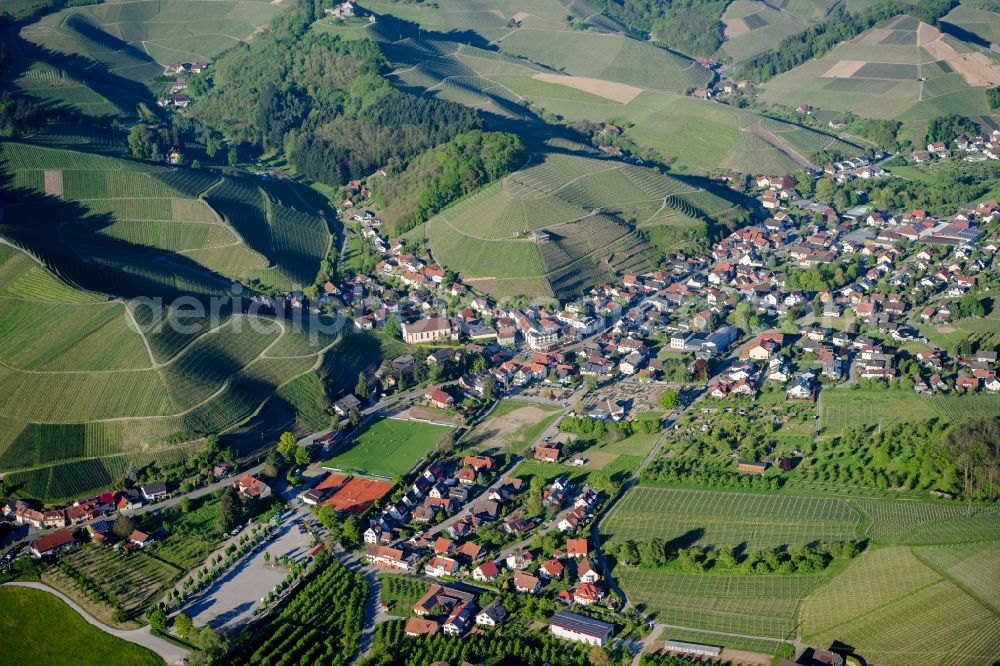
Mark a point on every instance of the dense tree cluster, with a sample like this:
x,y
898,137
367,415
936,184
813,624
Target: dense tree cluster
x,y
950,127
953,181
973,448
597,429
841,25
683,471
690,26
993,97
455,169
322,101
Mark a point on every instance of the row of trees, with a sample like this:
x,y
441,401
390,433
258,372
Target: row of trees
x,y
692,472
695,559
841,25
322,623
511,644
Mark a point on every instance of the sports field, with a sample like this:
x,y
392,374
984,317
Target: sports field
x,y
26,621
388,447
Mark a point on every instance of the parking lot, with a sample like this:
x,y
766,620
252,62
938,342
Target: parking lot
x,y
230,601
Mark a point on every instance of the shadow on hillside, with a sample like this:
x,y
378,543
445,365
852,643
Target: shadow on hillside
x,y
961,33
124,93
66,237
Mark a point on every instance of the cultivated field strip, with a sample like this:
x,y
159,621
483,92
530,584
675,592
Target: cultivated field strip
x,y
895,610
756,606
927,522
722,518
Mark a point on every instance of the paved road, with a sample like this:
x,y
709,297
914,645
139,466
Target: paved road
x,y
170,653
467,509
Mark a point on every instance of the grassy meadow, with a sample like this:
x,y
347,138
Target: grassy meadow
x,y
27,617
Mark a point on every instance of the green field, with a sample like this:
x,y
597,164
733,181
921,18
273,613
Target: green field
x,y
388,447
401,593
844,407
768,606
27,618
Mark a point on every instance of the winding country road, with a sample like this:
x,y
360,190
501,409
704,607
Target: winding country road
x,y
170,653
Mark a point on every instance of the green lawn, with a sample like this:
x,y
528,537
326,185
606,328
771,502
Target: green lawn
x,y
401,593
389,447
28,619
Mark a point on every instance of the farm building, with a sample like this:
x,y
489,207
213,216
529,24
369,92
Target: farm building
x,y
573,627
747,467
51,544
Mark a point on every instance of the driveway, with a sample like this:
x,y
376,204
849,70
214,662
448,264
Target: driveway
x,y
170,653
229,602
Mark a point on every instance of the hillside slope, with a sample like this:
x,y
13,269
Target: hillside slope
x,y
903,70
568,222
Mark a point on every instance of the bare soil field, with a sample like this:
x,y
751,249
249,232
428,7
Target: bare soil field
x,y
735,28
844,69
418,413
498,431
54,184
977,69
616,92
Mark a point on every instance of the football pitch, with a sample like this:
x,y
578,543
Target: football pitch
x,y
388,447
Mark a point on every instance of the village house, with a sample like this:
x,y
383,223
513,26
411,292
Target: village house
x,y
51,544
152,492
526,583
252,488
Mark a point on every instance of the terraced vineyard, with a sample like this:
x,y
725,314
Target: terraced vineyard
x,y
902,69
93,374
893,608
560,196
